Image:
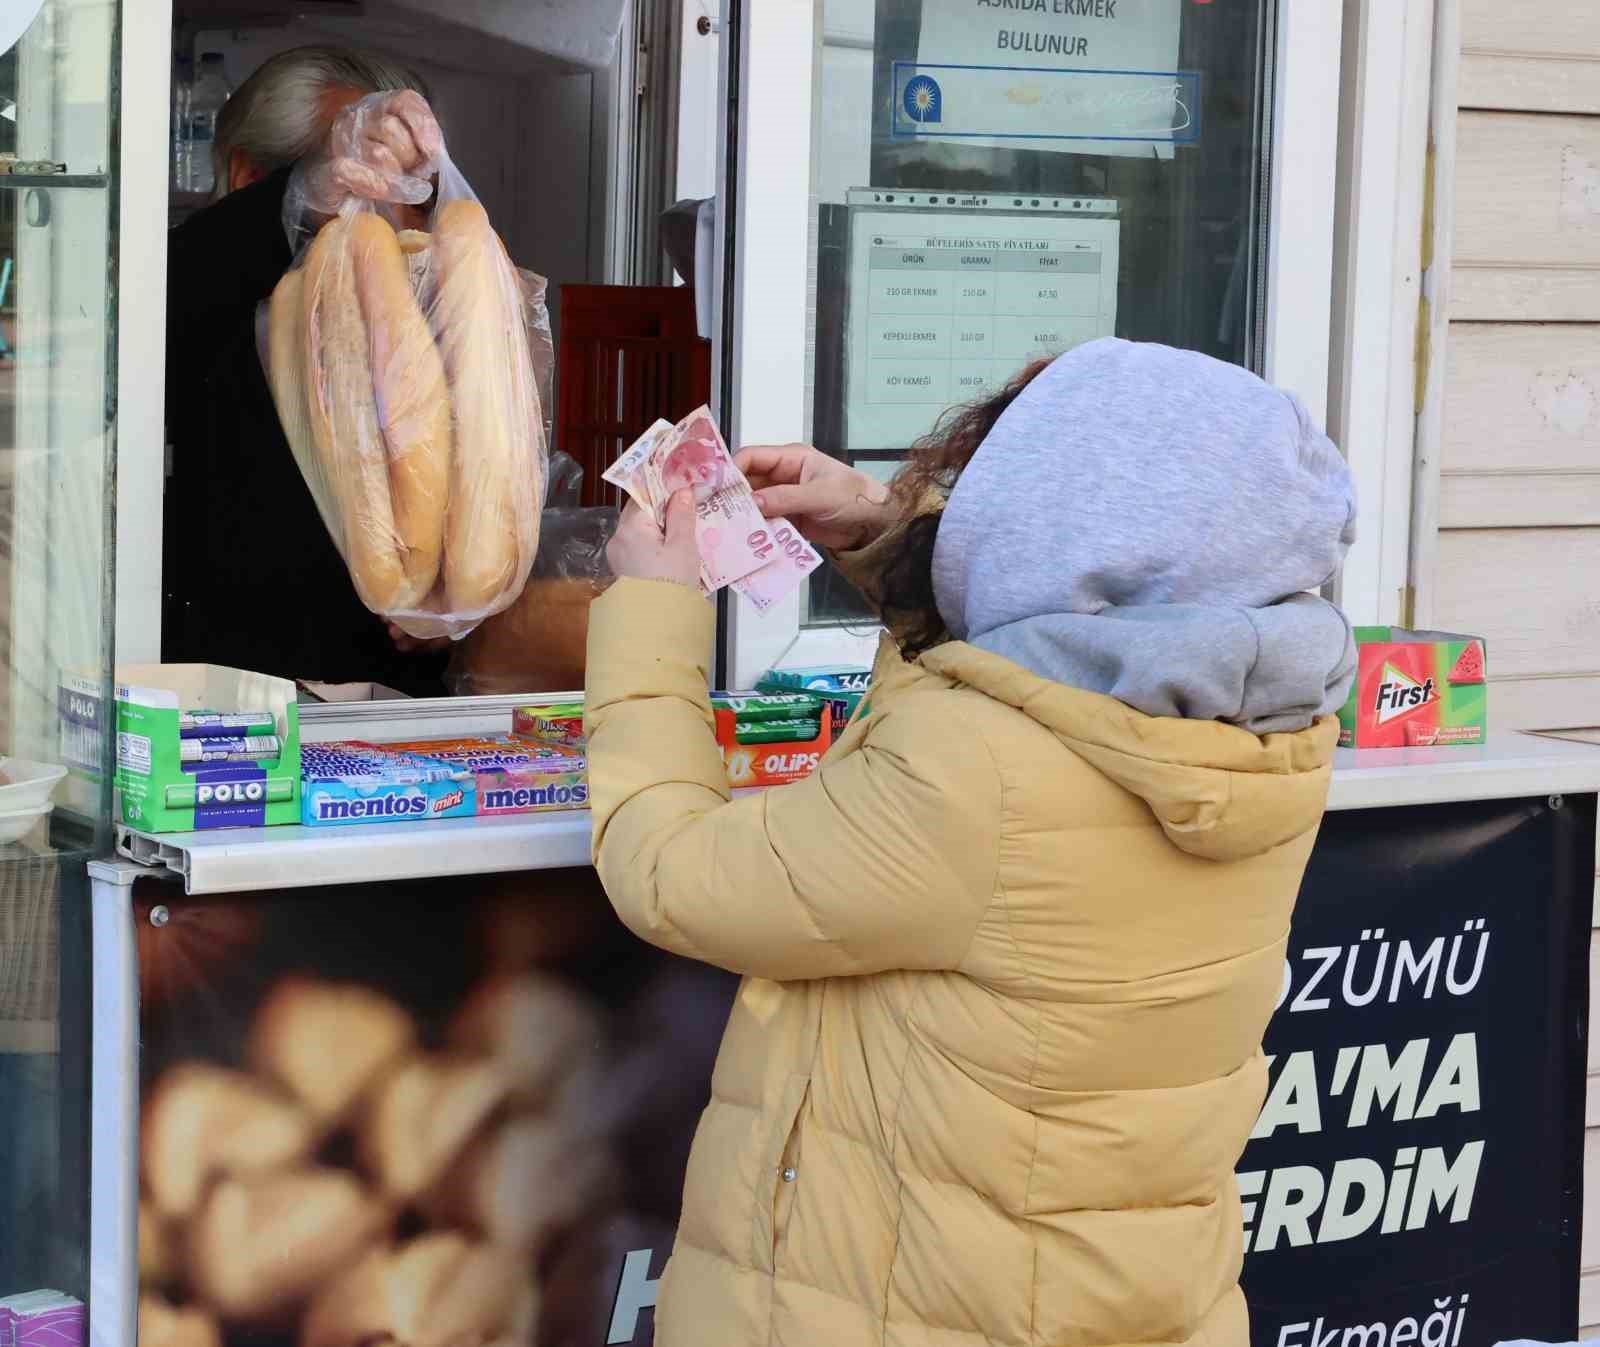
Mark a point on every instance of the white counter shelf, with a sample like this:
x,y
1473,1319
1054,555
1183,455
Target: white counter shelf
x,y
238,860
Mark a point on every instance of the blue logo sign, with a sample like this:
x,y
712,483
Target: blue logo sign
x,y
923,100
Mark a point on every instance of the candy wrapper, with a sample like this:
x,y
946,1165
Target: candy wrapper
x,y
403,366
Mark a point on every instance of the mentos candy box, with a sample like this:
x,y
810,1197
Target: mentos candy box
x,y
842,686
356,782
761,751
561,725
1416,689
513,776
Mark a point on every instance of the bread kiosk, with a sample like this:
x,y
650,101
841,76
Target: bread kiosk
x,y
410,1081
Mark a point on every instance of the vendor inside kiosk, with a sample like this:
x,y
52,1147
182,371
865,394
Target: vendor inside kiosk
x,y
1086,175
250,575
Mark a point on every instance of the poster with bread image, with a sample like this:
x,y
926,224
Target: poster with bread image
x,y
438,1114
403,369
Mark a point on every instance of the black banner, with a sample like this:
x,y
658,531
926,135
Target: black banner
x,y
1416,1177
1416,1180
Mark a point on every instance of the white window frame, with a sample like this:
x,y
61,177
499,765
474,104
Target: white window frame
x,y
144,177
1379,280
780,49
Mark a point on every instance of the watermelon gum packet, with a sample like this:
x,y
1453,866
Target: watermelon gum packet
x,y
1416,689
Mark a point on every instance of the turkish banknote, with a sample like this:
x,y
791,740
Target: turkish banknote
x,y
763,559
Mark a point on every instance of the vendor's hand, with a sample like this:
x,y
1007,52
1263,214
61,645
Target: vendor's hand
x,y
638,550
407,644
383,147
834,505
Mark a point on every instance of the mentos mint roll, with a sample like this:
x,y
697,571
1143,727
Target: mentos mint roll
x,y
225,724
234,748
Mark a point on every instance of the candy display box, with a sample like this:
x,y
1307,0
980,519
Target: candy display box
x,y
841,686
161,788
560,725
770,740
1416,689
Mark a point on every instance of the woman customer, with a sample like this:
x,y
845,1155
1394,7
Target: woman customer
x,y
1010,952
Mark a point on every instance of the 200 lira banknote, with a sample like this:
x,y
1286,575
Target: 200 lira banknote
x,y
764,559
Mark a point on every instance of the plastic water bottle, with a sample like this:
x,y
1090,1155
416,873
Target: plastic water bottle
x,y
182,92
210,93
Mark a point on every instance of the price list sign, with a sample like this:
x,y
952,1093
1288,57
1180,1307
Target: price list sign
x,y
944,310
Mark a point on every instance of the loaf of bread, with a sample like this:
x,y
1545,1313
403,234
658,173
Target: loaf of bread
x,y
342,402
422,1117
524,1183
290,1038
286,372
404,379
260,1247
202,1122
413,404
437,1291
535,1029
162,1324
157,1265
498,485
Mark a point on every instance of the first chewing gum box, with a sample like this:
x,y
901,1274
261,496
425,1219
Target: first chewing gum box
x,y
157,791
1416,689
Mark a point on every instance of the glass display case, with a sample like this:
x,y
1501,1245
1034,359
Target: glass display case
x,y
951,191
58,305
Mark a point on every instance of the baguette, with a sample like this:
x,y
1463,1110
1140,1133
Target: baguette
x,y
497,486
286,372
413,403
344,420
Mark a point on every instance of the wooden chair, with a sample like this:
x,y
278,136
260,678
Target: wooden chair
x,y
627,355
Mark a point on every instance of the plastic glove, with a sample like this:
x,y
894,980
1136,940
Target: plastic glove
x,y
383,147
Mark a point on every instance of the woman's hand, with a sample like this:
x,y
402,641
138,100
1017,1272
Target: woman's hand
x,y
383,147
834,505
639,551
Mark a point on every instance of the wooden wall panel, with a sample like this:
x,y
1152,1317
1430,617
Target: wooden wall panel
x,y
1522,397
1541,56
1527,217
1525,294
1533,594
1503,500
1544,703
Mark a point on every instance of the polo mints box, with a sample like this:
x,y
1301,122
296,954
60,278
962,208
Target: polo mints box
x,y
200,746
1416,689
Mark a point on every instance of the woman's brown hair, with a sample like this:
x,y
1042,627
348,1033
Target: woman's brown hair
x,y
904,583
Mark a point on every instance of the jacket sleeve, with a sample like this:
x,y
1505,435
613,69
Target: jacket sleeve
x,y
883,859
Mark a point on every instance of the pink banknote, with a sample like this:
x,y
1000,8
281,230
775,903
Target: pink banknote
x,y
763,559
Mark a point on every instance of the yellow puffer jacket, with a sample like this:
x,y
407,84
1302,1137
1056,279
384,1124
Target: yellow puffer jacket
x,y
1009,955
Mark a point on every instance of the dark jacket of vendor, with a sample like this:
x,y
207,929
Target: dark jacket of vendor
x,y
251,578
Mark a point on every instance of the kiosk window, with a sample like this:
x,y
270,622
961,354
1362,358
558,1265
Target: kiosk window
x,y
997,183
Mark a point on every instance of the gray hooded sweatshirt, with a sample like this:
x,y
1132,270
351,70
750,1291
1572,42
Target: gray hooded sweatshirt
x,y
1143,522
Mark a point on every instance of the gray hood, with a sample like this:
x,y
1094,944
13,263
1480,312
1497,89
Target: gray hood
x,y
1141,522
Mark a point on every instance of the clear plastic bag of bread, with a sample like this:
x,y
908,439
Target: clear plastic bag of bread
x,y
540,643
403,368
